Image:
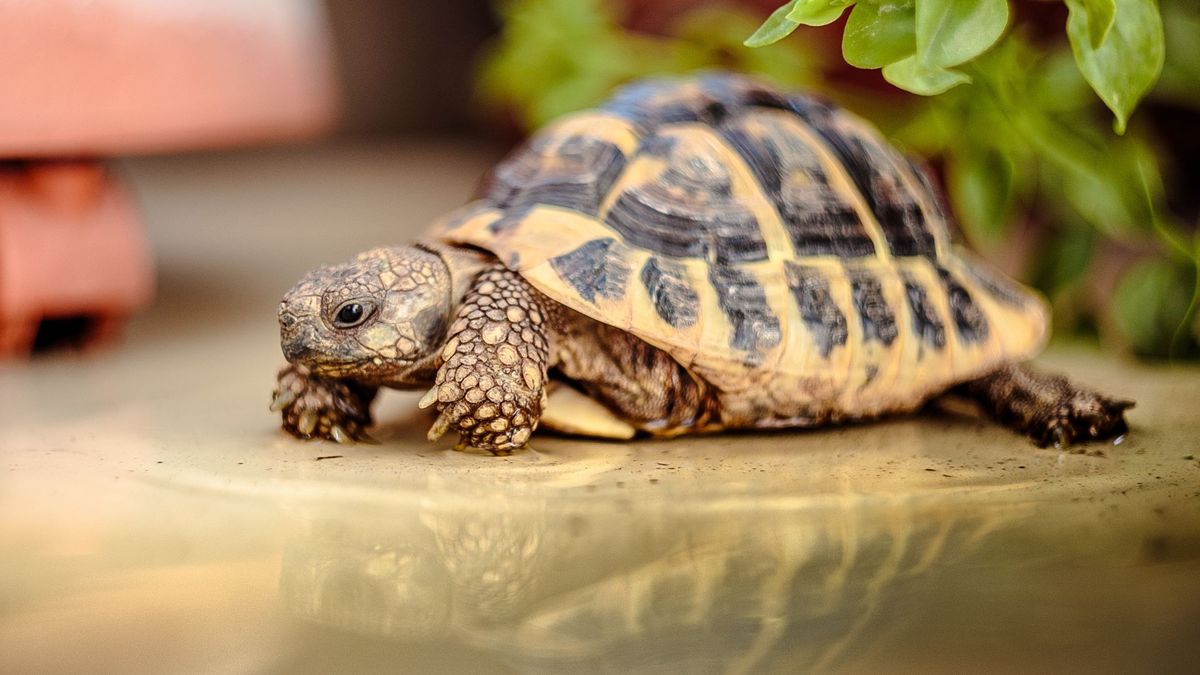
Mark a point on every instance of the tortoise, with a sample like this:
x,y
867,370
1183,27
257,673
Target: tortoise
x,y
695,254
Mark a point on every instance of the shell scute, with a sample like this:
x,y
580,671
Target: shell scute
x,y
969,320
743,300
818,310
667,285
678,200
878,319
796,174
594,269
926,323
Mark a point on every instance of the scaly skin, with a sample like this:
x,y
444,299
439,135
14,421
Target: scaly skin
x,y
323,407
1050,409
491,387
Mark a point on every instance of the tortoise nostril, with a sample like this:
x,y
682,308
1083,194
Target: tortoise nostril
x,y
287,320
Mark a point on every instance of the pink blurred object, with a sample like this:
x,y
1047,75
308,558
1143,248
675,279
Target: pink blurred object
x,y
107,77
70,246
86,79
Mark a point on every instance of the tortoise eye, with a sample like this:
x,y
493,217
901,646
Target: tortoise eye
x,y
351,314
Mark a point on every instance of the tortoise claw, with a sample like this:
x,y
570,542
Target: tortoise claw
x,y
284,398
439,427
307,422
1061,438
339,434
428,399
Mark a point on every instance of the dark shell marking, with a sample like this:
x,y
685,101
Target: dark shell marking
x,y
818,309
594,269
577,174
819,221
925,320
969,320
937,201
874,169
878,321
688,211
877,177
742,299
674,298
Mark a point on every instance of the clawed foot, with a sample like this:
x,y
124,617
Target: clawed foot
x,y
1050,409
495,411
321,407
1085,417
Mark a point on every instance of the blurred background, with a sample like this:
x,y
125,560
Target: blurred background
x,y
169,168
1104,224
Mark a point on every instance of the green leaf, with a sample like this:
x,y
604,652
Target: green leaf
x,y
1056,85
776,27
1151,301
980,182
879,32
817,12
1180,81
788,17
1070,257
1127,64
910,75
1144,166
713,37
950,32
1100,16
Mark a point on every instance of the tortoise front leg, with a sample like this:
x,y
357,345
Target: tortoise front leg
x,y
313,406
491,385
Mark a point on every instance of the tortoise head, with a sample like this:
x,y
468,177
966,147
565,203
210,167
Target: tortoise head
x,y
379,318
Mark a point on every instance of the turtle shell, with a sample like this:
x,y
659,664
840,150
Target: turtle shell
x,y
765,240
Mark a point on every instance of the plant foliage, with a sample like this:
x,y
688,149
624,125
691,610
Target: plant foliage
x,y
556,56
1038,177
921,45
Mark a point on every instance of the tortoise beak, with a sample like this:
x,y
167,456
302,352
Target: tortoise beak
x,y
297,334
296,339
298,331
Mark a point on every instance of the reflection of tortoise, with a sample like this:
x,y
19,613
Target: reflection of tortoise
x,y
693,255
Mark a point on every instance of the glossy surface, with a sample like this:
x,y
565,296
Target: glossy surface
x,y
153,519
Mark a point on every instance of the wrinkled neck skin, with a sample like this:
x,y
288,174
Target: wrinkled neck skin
x,y
463,265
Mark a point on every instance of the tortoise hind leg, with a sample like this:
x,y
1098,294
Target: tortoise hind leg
x,y
645,387
1048,408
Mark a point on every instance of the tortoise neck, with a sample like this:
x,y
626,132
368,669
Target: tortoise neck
x,y
463,266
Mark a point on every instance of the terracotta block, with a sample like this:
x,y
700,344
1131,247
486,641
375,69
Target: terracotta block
x,y
95,78
108,77
71,245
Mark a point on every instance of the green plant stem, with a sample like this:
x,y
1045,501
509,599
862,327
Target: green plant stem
x,y
1181,330
1174,240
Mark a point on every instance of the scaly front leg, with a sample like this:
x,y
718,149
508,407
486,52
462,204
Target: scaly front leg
x,y
322,407
491,385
